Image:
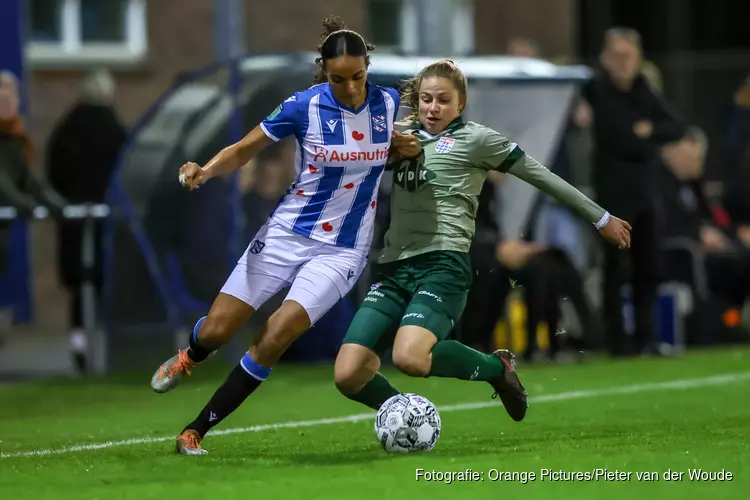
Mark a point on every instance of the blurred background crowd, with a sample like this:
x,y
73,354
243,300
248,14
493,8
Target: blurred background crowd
x,y
102,100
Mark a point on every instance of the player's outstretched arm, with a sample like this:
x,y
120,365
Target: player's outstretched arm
x,y
494,152
229,159
611,228
238,154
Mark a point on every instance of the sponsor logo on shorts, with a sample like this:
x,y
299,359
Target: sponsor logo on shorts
x,y
256,247
430,294
413,315
349,275
375,286
375,293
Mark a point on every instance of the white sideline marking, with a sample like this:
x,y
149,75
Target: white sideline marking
x,y
546,398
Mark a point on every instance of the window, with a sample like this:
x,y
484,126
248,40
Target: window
x,y
86,31
392,24
414,26
384,18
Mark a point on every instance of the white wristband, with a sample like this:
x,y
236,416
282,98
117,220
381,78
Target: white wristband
x,y
603,221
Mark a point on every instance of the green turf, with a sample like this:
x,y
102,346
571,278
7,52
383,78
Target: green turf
x,y
656,430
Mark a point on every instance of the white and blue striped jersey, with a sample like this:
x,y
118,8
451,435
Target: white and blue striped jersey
x,y
341,155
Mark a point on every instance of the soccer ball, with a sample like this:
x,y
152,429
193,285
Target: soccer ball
x,y
407,423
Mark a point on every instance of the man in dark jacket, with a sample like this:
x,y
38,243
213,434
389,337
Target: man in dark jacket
x,y
690,220
81,155
631,125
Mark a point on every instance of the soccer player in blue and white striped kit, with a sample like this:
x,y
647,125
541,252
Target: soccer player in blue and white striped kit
x,y
318,237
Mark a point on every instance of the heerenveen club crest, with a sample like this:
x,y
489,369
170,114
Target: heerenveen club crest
x,y
379,123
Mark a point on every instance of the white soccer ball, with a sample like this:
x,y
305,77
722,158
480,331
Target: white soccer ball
x,y
407,423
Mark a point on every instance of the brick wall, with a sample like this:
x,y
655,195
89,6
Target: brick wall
x,y
179,39
551,23
292,25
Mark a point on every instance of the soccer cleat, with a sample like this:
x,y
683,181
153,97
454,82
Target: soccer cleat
x,y
171,372
189,443
509,388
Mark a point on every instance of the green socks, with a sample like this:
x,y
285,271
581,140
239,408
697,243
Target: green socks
x,y
451,359
375,393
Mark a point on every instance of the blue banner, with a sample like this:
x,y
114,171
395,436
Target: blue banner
x,y
15,289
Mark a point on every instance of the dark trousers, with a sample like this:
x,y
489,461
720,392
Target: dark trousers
x,y
76,311
727,274
638,267
545,280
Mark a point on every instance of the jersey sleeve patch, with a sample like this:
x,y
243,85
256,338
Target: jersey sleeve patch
x,y
283,121
276,112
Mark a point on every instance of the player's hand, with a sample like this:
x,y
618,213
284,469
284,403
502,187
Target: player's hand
x,y
617,232
406,145
192,176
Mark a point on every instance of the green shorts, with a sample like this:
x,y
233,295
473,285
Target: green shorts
x,y
427,290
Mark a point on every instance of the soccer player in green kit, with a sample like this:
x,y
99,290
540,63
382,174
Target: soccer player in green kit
x,y
422,287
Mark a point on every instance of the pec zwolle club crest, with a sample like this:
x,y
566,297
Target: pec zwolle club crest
x,y
411,174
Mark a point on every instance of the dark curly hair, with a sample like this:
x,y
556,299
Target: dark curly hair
x,y
335,41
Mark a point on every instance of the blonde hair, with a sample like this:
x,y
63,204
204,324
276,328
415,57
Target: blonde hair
x,y
444,69
98,87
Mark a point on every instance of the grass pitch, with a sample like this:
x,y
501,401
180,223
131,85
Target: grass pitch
x,y
602,429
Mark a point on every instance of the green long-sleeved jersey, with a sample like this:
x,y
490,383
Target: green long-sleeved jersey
x,y
435,197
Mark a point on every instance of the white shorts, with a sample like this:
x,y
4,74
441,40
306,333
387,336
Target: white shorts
x,y
320,274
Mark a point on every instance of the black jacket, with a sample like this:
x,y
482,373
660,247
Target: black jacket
x,y
81,155
625,166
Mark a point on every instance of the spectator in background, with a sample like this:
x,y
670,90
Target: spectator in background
x,y
19,188
81,154
546,275
554,224
689,221
737,145
522,47
631,124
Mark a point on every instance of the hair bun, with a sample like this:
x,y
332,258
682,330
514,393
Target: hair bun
x,y
331,24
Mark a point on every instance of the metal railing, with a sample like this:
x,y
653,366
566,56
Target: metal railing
x,y
89,214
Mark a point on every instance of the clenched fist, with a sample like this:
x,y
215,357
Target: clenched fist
x,y
192,176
